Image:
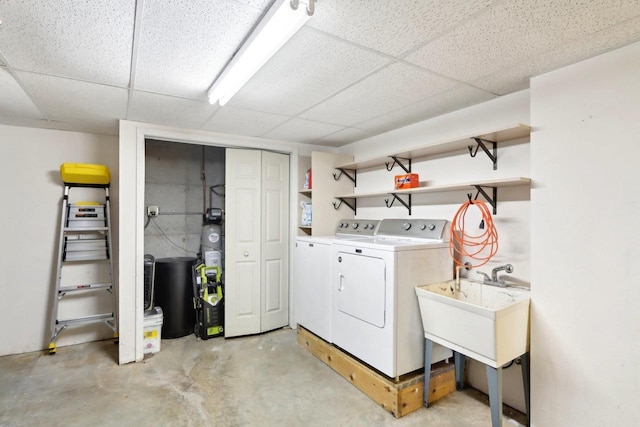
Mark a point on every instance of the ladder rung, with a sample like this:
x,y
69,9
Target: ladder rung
x,y
84,256
96,318
84,229
83,242
85,287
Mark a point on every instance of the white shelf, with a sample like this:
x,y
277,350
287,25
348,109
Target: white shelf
x,y
305,192
505,182
496,135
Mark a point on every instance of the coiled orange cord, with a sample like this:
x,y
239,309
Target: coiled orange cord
x,y
481,247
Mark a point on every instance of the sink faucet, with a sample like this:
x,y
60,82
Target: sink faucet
x,y
493,280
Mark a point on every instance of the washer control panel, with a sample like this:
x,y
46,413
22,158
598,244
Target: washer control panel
x,y
357,227
433,229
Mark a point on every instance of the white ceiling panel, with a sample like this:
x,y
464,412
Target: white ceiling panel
x,y
87,126
392,26
454,99
184,44
168,110
258,4
516,78
308,69
299,130
514,31
243,122
14,102
343,137
97,104
87,40
387,90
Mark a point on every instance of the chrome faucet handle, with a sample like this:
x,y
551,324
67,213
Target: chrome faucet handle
x,y
485,275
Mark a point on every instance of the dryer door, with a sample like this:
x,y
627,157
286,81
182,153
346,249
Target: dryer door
x,y
361,287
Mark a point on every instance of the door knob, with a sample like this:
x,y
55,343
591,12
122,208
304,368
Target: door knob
x,y
246,254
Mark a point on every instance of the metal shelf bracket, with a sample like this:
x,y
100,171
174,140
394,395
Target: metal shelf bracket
x,y
397,161
337,206
406,204
493,201
346,172
481,144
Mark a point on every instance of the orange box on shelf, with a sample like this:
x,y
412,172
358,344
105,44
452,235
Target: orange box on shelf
x,y
409,180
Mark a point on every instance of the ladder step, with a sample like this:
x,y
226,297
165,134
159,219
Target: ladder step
x,y
85,256
96,318
85,229
85,287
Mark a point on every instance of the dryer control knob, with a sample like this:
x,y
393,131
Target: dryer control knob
x,y
355,225
432,227
406,225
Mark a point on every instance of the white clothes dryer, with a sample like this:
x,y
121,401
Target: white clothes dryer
x,y
376,317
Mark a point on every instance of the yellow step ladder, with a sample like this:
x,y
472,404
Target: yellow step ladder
x,y
84,238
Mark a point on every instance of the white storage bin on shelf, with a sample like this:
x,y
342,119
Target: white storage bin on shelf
x,y
152,330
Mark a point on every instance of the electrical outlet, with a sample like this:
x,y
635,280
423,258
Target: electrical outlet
x,y
153,211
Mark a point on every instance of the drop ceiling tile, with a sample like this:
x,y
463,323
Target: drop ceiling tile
x,y
239,121
258,4
343,137
92,103
516,78
392,26
304,72
513,31
457,98
168,110
86,126
14,102
299,130
389,89
184,44
84,40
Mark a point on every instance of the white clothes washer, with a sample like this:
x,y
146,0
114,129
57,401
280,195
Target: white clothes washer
x,y
312,290
376,317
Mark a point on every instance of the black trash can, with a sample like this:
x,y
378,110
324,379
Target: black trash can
x,y
173,286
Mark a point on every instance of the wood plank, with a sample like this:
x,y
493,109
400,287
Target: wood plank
x,y
508,133
397,397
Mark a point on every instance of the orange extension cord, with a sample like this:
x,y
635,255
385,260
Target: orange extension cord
x,y
481,247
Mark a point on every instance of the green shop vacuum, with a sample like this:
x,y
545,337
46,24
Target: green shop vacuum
x,y
208,301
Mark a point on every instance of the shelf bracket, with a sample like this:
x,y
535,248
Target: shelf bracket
x,y
481,144
406,204
346,172
397,161
493,201
337,206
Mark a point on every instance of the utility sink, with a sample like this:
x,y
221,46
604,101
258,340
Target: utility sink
x,y
484,322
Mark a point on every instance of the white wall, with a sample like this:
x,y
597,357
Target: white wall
x,y
586,222
513,217
31,192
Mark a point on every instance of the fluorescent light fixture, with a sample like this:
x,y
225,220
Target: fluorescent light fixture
x,y
280,23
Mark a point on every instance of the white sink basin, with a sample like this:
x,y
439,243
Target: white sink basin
x,y
486,323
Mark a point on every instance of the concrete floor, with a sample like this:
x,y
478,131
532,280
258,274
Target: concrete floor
x,y
264,380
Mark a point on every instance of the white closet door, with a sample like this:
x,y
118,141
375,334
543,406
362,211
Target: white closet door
x,y
256,241
242,242
275,241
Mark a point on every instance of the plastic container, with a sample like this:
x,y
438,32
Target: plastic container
x,y
173,291
152,330
85,174
306,219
